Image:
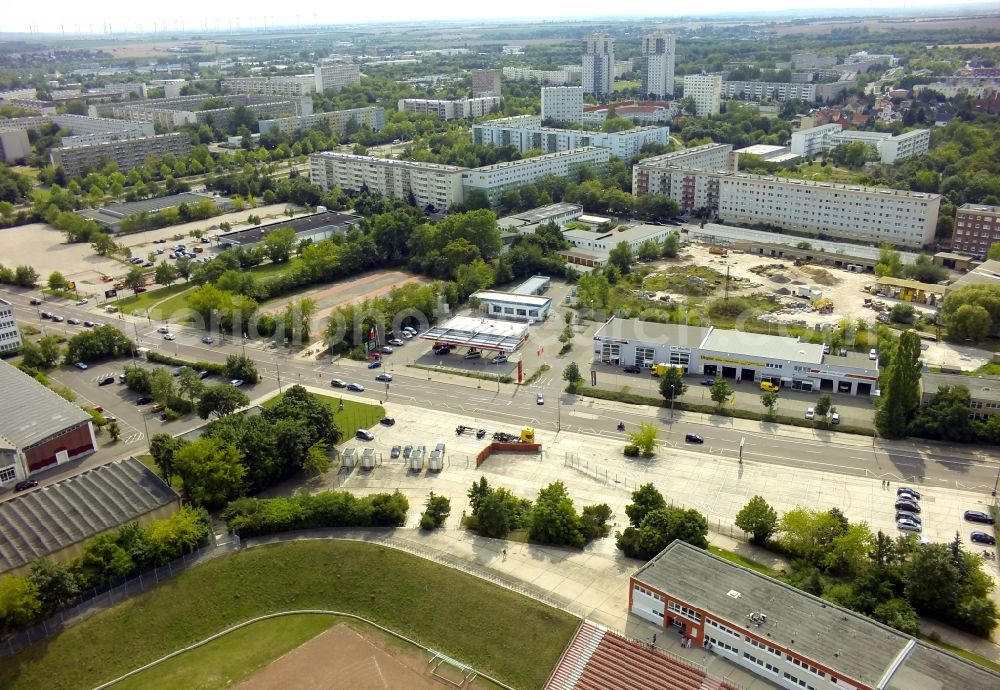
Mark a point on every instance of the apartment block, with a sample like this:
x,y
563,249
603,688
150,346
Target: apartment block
x,y
450,110
494,179
813,141
817,140
567,74
976,227
598,75
126,153
14,145
522,136
10,335
372,117
913,143
335,75
706,92
440,186
670,174
768,90
485,82
294,85
658,54
562,103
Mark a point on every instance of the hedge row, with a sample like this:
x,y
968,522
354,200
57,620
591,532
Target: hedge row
x,y
253,517
210,367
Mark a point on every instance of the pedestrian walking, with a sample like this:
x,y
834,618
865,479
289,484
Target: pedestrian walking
x,y
505,554
654,638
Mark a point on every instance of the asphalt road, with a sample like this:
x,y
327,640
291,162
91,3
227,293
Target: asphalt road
x,y
510,407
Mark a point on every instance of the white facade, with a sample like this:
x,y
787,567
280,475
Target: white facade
x,y
335,75
816,140
10,335
658,53
624,145
706,92
603,242
912,143
294,85
767,90
494,179
426,183
812,141
372,117
562,103
598,65
674,175
450,110
543,76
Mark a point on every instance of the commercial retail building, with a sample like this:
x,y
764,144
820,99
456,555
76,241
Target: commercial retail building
x,y
513,306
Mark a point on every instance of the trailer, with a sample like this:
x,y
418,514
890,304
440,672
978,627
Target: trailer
x,y
368,459
348,459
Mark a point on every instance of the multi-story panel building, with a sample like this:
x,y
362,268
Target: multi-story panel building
x,y
450,110
335,75
372,117
768,90
10,334
562,103
598,74
485,82
292,85
494,179
672,174
426,184
816,140
658,53
913,143
14,145
515,132
813,141
126,153
976,227
706,92
570,74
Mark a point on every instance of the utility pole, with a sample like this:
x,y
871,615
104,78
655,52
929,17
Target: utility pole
x,y
727,285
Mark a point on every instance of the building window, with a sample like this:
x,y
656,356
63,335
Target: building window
x,y
8,474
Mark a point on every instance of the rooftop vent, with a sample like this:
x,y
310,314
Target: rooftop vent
x,y
733,593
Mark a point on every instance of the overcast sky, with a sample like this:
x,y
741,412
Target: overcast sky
x,y
73,15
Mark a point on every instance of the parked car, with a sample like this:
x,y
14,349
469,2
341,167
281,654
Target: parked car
x,y
407,451
25,485
908,525
57,318
539,399
81,366
473,354
835,418
810,413
35,301
375,364
144,400
395,341
903,515
693,438
236,383
169,336
631,369
105,380
208,340
385,350
907,496
983,538
442,350
394,453
73,322
177,371
873,354
500,358
88,324
907,490
356,387
769,387
365,435
409,329
708,382
908,506
979,516
45,315
158,407
81,302
203,374
387,421
384,378
338,383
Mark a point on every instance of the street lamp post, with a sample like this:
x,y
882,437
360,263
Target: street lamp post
x,y
997,481
671,402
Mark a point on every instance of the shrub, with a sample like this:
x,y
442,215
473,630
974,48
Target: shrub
x,y
252,517
632,450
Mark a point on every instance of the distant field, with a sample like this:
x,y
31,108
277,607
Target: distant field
x,y
625,85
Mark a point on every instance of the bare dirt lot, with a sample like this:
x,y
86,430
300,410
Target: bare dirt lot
x,y
343,658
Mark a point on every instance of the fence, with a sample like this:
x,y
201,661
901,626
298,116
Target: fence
x,y
109,595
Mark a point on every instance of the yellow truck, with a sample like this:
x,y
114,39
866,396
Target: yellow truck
x,y
769,387
659,369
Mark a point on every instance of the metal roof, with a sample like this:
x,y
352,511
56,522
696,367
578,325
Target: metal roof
x,y
762,345
512,298
820,631
303,224
30,412
487,334
58,516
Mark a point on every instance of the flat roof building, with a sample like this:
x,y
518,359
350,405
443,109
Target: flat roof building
x,y
485,82
986,273
768,91
891,149
984,391
285,85
523,135
706,92
494,179
10,334
110,217
513,306
372,117
598,74
627,342
602,242
125,153
335,75
527,221
658,53
786,636
313,227
479,333
463,108
562,103
977,226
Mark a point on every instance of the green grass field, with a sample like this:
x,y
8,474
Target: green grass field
x,y
231,658
145,300
354,416
503,634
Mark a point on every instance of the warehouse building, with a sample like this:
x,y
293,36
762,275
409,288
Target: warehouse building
x,y
38,427
110,217
630,342
313,227
786,636
56,521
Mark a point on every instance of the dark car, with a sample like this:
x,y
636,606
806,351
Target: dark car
x,y
356,387
384,378
203,374
407,452
631,369
338,383
908,506
144,400
365,435
25,485
35,301
707,382
693,438
908,490
394,453
983,538
45,315
375,364
106,380
442,350
387,421
903,515
979,516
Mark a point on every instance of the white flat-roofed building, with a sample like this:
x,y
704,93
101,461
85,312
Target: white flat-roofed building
x,y
913,143
658,53
543,76
631,342
440,186
675,175
372,117
624,145
602,242
562,103
706,92
763,151
768,90
598,75
494,179
891,149
335,75
812,141
527,221
511,306
290,85
450,109
480,333
10,334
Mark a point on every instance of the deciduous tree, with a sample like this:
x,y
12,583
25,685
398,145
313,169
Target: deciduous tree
x,y
758,518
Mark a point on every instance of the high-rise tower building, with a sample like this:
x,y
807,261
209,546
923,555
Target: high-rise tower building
x,y
598,65
658,50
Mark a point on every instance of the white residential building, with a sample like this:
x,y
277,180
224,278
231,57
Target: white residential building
x,y
494,179
463,108
372,117
598,65
706,92
293,85
562,103
10,335
563,75
816,140
335,75
425,183
913,143
125,153
672,174
524,135
812,141
658,53
768,90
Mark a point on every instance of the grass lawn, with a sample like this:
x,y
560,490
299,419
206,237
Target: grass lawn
x,y
233,657
144,300
354,416
733,557
501,633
